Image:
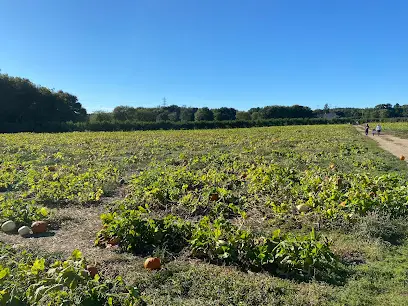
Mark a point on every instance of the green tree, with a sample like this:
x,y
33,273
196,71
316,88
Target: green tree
x,y
187,114
204,114
100,116
224,113
22,102
256,116
243,116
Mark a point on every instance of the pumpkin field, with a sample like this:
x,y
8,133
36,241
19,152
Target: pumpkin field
x,y
294,215
399,129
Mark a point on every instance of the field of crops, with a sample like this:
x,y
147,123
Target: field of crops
x,y
297,215
399,129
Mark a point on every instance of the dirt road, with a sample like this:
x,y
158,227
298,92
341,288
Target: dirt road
x,y
395,145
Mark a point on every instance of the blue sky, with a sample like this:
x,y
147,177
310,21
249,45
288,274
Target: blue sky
x,y
211,53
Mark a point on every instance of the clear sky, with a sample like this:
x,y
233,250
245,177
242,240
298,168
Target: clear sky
x,y
235,53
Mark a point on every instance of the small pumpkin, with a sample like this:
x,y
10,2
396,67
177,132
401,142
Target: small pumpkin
x,y
402,157
24,231
92,270
152,263
39,227
214,197
8,226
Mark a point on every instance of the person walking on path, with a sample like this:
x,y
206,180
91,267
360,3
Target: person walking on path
x,y
378,129
366,129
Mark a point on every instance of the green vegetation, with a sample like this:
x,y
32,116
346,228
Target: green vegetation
x,y
26,107
399,129
26,279
279,216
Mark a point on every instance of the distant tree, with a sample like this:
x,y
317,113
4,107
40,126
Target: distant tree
x,y
383,106
204,114
224,113
123,113
187,114
146,114
243,116
256,116
163,116
174,116
100,116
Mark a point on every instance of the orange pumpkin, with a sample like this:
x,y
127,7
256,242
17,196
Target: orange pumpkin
x,y
402,157
152,263
39,227
92,270
214,197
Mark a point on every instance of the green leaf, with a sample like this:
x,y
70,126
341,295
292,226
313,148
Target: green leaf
x,y
38,266
76,254
44,211
4,272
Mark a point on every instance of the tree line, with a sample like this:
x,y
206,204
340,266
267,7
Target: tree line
x,y
24,103
174,113
25,106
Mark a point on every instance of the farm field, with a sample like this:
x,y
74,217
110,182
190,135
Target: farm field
x,y
399,129
296,215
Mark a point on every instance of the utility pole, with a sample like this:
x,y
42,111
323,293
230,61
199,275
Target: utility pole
x,y
164,102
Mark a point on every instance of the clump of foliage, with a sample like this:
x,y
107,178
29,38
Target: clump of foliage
x,y
139,233
29,280
221,242
22,212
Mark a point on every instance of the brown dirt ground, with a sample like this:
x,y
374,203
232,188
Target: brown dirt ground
x,y
77,228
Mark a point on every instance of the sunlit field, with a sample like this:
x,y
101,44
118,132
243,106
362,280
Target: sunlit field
x,y
296,215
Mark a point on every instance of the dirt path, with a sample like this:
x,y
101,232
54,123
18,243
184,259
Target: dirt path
x,y
394,145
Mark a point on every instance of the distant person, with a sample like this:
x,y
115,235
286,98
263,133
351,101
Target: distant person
x,y
378,128
366,129
374,131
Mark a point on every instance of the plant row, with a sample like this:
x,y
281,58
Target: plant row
x,y
227,187
219,241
